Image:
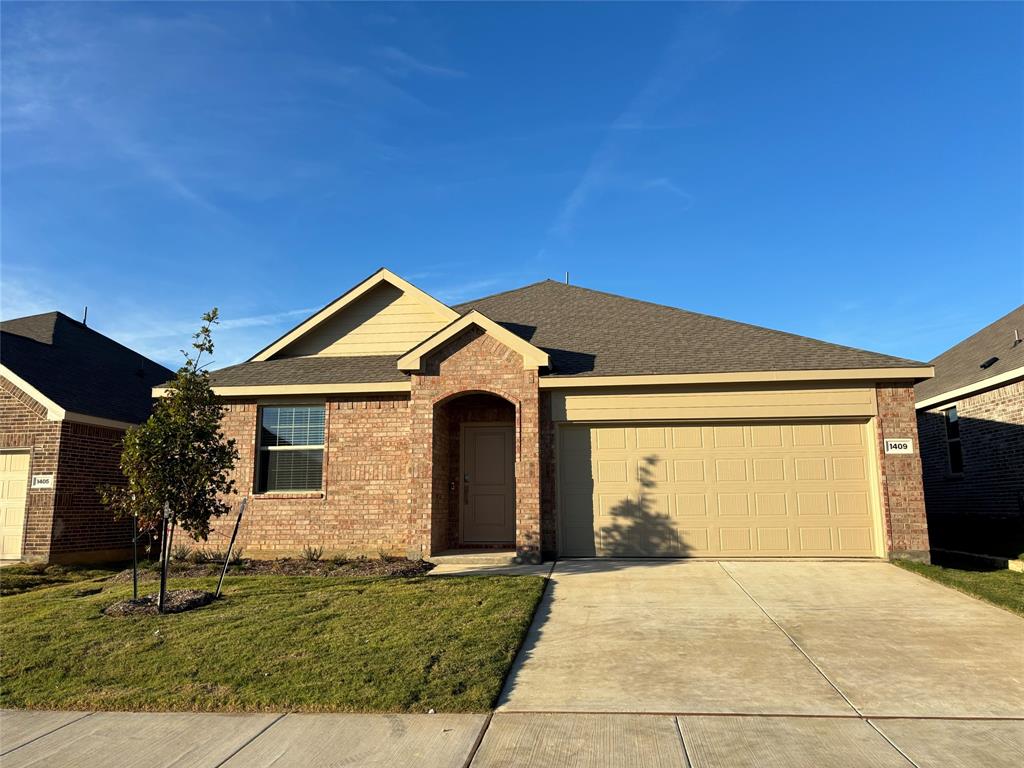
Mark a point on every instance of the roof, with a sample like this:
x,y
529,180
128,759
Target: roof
x,y
960,366
587,333
310,370
591,333
80,369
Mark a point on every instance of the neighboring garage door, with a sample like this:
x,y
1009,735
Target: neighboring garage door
x,y
13,492
717,490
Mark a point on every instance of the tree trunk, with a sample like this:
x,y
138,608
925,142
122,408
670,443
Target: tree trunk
x,y
167,562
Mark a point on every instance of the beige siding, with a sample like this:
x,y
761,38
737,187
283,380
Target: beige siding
x,y
736,402
719,490
385,321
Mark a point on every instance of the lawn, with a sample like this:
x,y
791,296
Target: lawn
x,y
23,577
315,644
1000,587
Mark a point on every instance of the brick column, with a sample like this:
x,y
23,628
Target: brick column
x,y
906,526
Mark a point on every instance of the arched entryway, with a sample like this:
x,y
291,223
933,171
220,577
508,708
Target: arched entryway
x,y
475,444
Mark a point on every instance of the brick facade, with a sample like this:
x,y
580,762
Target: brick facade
x,y
906,526
392,462
992,442
363,508
66,523
472,362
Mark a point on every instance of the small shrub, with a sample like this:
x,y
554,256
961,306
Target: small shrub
x,y
312,554
199,556
181,552
236,557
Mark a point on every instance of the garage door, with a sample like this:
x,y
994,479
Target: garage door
x,y
13,491
717,490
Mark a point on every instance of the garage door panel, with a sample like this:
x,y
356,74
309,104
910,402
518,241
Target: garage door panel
x,y
687,437
731,470
718,489
854,539
612,471
773,541
691,505
735,541
771,505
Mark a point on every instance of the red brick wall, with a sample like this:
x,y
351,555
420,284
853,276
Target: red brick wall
x,y
363,507
82,528
67,522
475,362
992,440
906,527
23,425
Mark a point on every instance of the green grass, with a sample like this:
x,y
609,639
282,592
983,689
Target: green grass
x,y
275,643
1003,587
24,577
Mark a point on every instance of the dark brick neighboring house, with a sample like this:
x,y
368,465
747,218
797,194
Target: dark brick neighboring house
x,y
556,420
67,393
971,425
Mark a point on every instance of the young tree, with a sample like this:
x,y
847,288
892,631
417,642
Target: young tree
x,y
179,459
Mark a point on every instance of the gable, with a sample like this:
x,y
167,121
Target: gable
x,y
382,315
531,356
384,321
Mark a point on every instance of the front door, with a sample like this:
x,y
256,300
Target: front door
x,y
488,498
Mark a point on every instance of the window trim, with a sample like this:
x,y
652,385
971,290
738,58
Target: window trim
x,y
950,472
260,449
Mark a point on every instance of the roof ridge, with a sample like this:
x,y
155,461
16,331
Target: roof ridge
x,y
502,293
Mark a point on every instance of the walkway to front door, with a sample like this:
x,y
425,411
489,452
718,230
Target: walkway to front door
x,y
488,499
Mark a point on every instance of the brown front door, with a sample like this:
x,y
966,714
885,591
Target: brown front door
x,y
488,499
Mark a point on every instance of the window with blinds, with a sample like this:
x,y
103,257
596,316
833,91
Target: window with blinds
x,y
291,448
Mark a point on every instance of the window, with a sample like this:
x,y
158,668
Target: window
x,y
291,455
956,452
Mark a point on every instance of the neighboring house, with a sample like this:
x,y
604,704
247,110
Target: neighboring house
x,y
971,421
558,420
67,393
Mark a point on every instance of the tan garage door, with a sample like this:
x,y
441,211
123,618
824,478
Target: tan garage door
x,y
13,491
717,490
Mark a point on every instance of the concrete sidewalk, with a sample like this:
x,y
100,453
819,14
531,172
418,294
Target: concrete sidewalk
x,y
506,740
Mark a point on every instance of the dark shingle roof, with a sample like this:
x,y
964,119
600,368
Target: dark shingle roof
x,y
960,366
310,370
80,369
591,333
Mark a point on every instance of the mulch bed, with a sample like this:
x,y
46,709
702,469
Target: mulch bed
x,y
176,601
292,566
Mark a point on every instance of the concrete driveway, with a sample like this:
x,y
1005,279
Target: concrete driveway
x,y
770,638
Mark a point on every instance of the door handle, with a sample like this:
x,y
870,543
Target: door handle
x,y
465,491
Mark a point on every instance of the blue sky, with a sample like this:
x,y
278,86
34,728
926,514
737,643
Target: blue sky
x,y
740,160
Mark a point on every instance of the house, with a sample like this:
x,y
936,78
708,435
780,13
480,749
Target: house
x,y
557,420
67,394
970,419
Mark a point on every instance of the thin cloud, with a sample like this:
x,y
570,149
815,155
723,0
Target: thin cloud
x,y
692,46
402,62
665,184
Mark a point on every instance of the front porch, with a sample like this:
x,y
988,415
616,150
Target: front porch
x,y
474,478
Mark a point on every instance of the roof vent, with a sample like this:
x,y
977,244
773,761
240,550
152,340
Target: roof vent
x,y
1016,337
990,362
